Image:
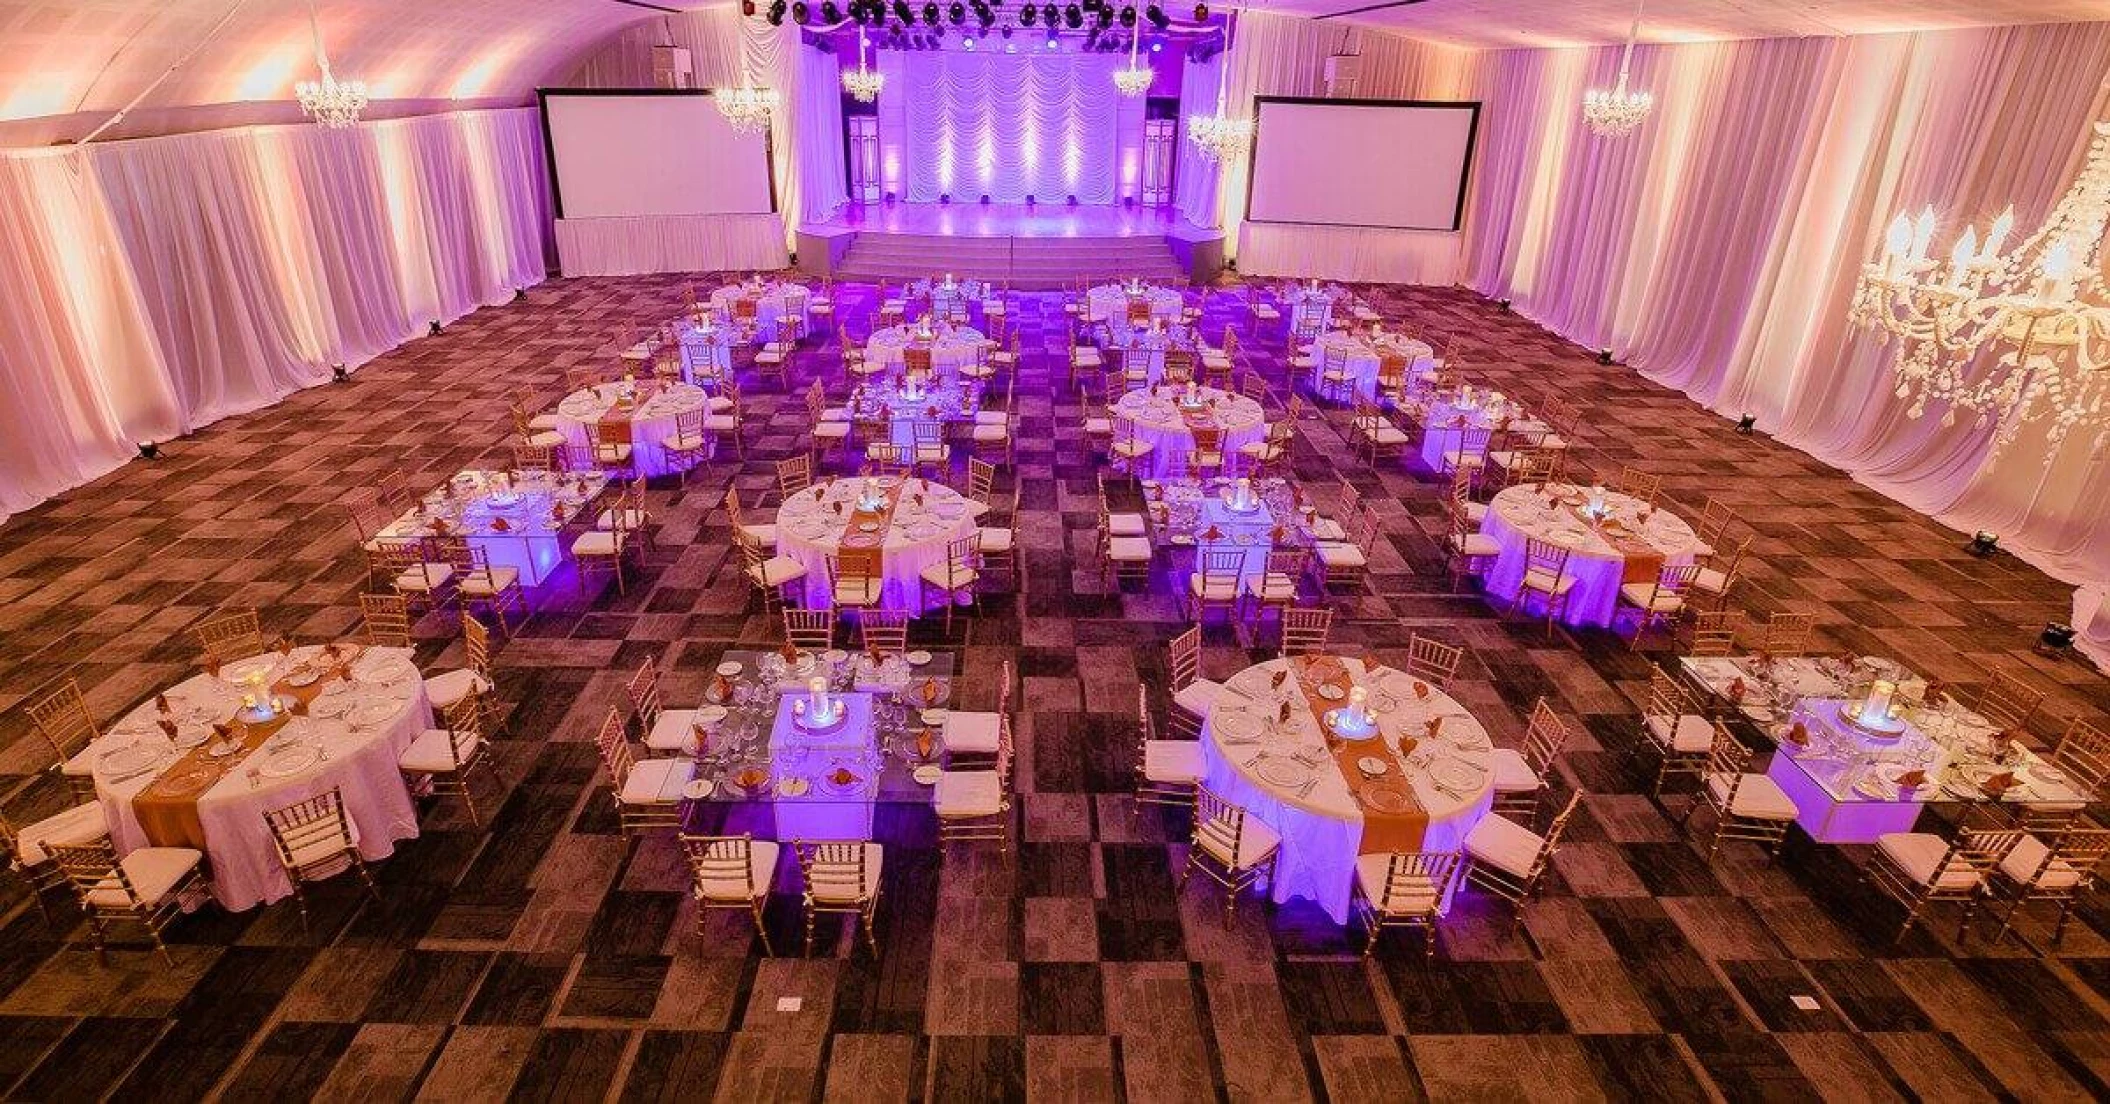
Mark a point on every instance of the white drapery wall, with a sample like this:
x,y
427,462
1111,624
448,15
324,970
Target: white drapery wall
x,y
159,284
1716,249
1044,124
1194,177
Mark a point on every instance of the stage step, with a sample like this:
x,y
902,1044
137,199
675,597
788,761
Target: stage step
x,y
1026,263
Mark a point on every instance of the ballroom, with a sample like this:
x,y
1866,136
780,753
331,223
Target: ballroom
x,y
965,550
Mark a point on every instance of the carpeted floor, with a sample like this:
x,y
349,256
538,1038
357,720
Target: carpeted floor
x,y
541,957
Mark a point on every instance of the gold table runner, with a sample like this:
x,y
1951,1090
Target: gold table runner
x,y
883,517
1400,828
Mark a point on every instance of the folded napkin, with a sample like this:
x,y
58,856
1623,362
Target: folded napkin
x,y
1912,779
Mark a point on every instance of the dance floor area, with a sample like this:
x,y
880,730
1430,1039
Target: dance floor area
x,y
540,956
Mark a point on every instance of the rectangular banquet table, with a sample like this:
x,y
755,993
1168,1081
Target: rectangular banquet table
x,y
516,519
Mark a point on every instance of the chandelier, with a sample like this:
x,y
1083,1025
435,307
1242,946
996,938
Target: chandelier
x,y
863,83
747,108
2014,338
329,102
1134,80
1220,137
1615,114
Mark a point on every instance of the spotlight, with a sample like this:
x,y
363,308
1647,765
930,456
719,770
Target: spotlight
x,y
1984,542
1073,17
434,331
800,13
1050,14
903,12
1157,18
1745,424
1604,356
1072,200
1157,47
1128,17
2056,639
969,43
985,199
148,450
1201,13
1504,304
930,13
338,373
958,12
1027,15
945,197
1010,47
830,13
1030,201
1051,38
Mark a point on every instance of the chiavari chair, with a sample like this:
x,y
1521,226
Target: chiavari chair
x,y
830,427
1714,632
1305,629
794,474
999,546
1509,860
1126,557
231,636
885,458
1167,771
474,679
842,879
1546,576
1335,379
598,551
612,447
1192,695
1659,602
1214,583
63,720
732,872
1750,807
2005,702
856,578
27,850
1229,846
1788,634
1714,520
1346,562
2060,871
1682,736
976,804
976,733
763,533
1270,454
1404,889
883,632
527,433
684,447
476,580
149,886
1433,661
647,792
1639,484
415,570
1718,570
666,731
1470,551
955,577
724,423
768,574
1206,459
1918,869
387,620
450,759
931,454
1375,435
810,630
1276,586
317,840
536,458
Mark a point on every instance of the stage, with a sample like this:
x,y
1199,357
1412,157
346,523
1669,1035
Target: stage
x,y
1028,246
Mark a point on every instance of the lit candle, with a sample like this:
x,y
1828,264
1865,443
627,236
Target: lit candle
x,y
1358,703
1596,500
1997,236
1960,258
818,688
1923,234
2058,269
1876,709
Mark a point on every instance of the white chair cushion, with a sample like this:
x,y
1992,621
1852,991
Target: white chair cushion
x,y
545,439
1090,358
969,793
1389,434
447,688
1709,581
597,542
78,825
1256,841
721,422
1757,797
1454,458
325,848
611,452
717,403
428,753
835,414
545,422
1341,555
1128,549
632,519
657,781
431,576
1545,582
672,730
777,570
1646,596
991,417
1272,587
1175,762
1475,512
153,871
1504,844
828,431
1414,895
2024,861
857,591
841,887
764,535
487,581
1198,696
1920,855
1098,427
1126,525
1213,590
988,433
949,577
1476,546
1513,774
1132,447
996,540
1327,529
1690,735
679,443
971,732
761,876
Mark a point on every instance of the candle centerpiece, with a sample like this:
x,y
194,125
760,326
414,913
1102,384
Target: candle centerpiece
x,y
1354,720
823,711
1876,713
1594,506
1191,398
1242,499
869,496
257,706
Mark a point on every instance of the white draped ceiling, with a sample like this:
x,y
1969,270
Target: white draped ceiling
x,y
1009,125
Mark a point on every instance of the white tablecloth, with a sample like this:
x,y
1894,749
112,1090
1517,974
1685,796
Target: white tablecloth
x,y
772,301
1596,566
2091,617
809,531
950,346
1160,421
374,718
1309,309
1322,826
650,424
529,503
705,349
1110,301
1446,420
1363,354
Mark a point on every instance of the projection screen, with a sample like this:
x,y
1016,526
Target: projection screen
x,y
1391,164
642,153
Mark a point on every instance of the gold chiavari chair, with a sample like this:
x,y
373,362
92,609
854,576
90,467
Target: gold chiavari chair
x,y
1467,449
955,577
774,357
1345,562
27,850
1509,860
767,574
1206,459
885,458
831,426
1523,777
1546,576
883,632
317,840
856,578
684,448
1470,551
1231,847
600,551
497,588
536,458
1718,571
724,422
1129,447
1167,771
2083,756
647,792
63,720
1404,889
1271,454
666,731
1375,435
1253,386
1214,583
231,636
1433,661
1335,381
1305,629
1714,632
1918,869
148,886
1682,736
931,454
1788,634
1192,695
977,733
2060,871
794,474
842,879
450,759
472,679
2005,702
1276,587
1714,520
528,433
732,872
387,620
612,448
976,804
1127,558
1391,377
810,630
1639,484
1660,602
1746,806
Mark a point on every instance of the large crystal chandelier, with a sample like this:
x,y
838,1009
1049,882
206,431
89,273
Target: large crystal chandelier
x,y
330,102
1134,80
747,108
1220,137
2013,337
863,82
1615,114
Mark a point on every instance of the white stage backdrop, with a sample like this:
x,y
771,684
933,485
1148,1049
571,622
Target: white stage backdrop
x,y
1046,124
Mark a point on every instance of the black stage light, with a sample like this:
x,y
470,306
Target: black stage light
x,y
903,12
1745,424
985,199
930,14
1157,18
1128,17
1984,543
944,197
1050,14
830,13
1027,16
800,13
1201,13
1073,17
338,373
958,13
148,450
2056,640
1604,356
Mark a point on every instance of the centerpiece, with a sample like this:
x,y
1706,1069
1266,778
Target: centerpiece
x,y
1876,714
1354,720
1191,398
1594,508
1241,498
819,711
869,495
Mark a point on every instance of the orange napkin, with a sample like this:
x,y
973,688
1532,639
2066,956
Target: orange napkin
x,y
161,703
1912,779
167,726
1999,784
1799,734
1284,717
1213,534
1434,726
1421,689
930,691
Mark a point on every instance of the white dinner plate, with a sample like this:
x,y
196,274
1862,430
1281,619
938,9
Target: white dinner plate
x,y
290,761
730,668
1282,773
369,714
917,658
835,655
1236,724
698,789
131,759
927,775
1331,692
1456,774
933,716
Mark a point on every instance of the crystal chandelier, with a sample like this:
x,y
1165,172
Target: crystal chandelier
x,y
747,108
2014,338
1615,114
863,82
1220,137
1134,80
329,102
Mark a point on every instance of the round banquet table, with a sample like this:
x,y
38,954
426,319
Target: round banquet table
x,y
1310,308
1364,352
1450,414
1161,421
1110,301
355,731
1150,346
773,300
949,293
810,530
1284,776
950,346
1596,562
651,422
